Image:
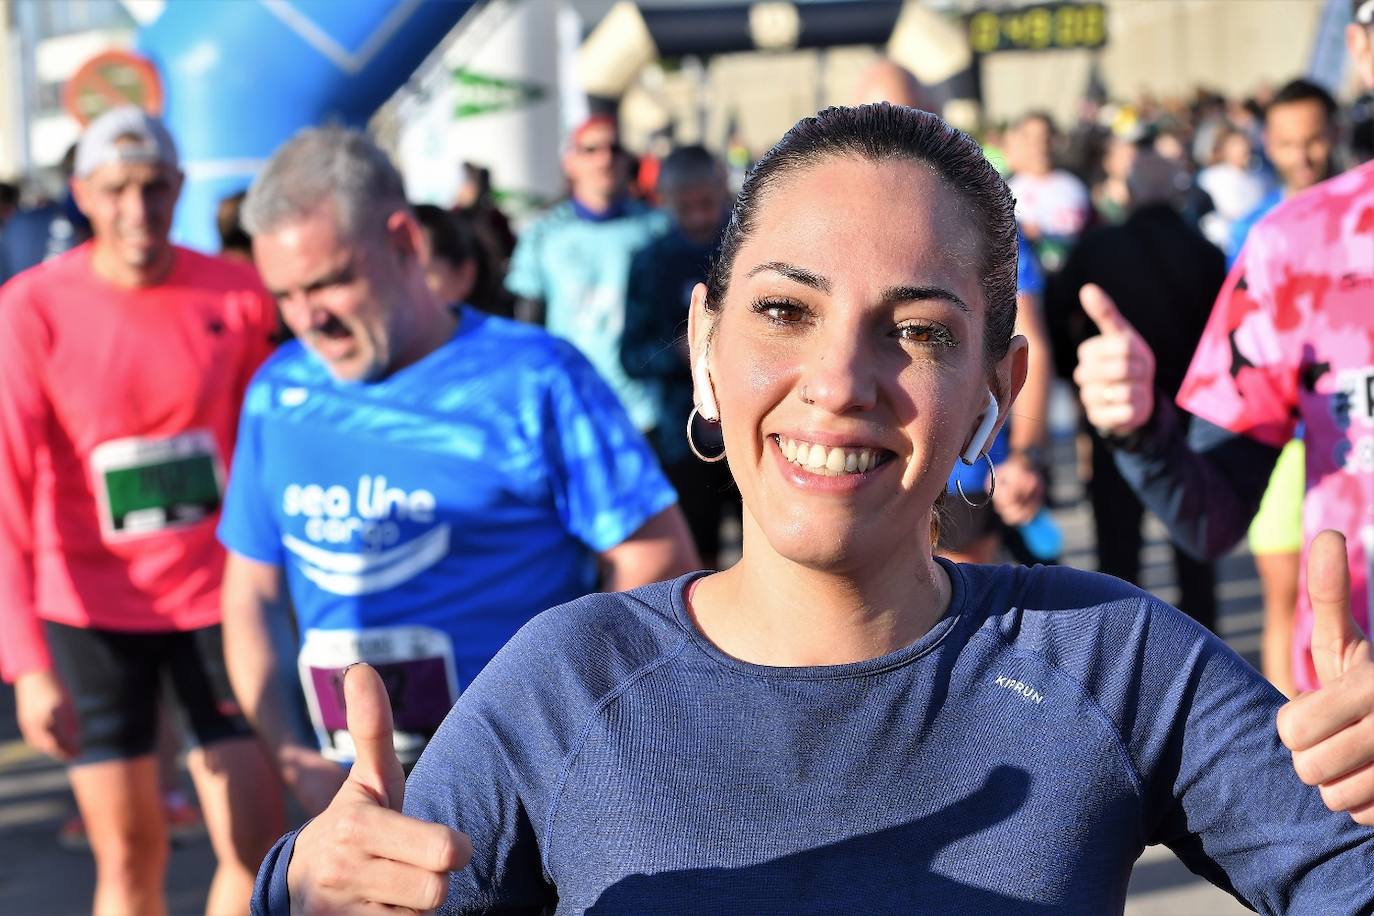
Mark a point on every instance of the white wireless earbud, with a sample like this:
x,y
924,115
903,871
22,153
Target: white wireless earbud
x,y
984,431
706,397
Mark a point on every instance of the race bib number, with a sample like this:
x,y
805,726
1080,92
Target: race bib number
x,y
416,665
149,485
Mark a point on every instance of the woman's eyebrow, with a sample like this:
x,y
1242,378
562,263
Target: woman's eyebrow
x,y
894,294
793,272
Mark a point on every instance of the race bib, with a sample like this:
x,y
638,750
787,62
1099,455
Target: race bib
x,y
416,665
146,485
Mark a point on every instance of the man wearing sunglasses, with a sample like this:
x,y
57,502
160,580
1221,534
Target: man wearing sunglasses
x,y
569,269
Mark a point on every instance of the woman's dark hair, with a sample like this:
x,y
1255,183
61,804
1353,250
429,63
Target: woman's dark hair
x,y
232,236
449,236
456,237
891,133
1301,90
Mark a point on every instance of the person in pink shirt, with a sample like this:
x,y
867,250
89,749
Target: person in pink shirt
x,y
122,367
1290,339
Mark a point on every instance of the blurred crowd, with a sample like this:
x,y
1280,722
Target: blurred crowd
x,y
1149,199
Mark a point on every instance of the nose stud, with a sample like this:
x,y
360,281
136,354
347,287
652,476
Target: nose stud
x,y
806,398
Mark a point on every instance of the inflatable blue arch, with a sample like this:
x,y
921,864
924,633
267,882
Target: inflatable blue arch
x,y
241,77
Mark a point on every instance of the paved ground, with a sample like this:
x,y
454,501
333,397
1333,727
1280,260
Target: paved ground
x,y
37,878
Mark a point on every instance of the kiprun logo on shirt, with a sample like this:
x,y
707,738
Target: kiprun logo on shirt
x,y
353,542
1019,687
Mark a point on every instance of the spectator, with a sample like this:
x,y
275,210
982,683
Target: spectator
x,y
234,243
457,267
1235,185
1111,196
1052,206
1085,147
571,267
1361,129
1208,117
692,186
477,202
9,201
1195,203
1164,276
35,235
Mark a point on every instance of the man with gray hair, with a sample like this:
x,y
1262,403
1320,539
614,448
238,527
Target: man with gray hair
x,y
419,480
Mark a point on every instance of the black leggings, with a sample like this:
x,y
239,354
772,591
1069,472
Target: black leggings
x,y
1117,515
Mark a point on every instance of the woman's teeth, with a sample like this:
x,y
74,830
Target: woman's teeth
x,y
831,462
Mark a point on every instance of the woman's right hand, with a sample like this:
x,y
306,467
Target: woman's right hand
x,y
361,855
47,719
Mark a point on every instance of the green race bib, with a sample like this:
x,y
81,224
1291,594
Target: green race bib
x,y
150,485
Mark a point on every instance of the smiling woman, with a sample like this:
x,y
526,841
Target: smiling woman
x,y
861,309
841,722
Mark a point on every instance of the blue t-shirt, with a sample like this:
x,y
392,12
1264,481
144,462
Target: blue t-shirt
x,y
34,236
580,267
422,519
1240,229
1016,758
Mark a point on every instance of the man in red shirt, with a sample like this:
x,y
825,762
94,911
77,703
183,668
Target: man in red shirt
x,y
122,366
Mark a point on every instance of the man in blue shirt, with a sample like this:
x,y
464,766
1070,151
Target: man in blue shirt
x,y
420,481
572,265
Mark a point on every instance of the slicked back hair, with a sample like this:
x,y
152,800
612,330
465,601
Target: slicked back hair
x,y
882,132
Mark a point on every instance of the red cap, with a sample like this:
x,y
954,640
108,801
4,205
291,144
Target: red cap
x,y
596,120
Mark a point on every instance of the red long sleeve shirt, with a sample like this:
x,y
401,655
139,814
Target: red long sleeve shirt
x,y
118,409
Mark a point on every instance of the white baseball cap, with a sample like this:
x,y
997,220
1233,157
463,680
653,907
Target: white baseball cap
x,y
124,134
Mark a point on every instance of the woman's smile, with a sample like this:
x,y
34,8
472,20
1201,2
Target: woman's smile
x,y
831,461
816,466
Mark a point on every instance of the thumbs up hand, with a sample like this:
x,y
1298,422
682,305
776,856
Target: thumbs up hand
x,y
1331,730
1116,369
361,854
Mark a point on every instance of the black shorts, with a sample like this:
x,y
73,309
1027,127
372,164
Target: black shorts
x,y
115,681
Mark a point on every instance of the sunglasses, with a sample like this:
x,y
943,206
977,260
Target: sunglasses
x,y
615,149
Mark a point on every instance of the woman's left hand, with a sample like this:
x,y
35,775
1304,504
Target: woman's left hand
x,y
1331,730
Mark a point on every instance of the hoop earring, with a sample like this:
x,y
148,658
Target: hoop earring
x,y
992,487
693,446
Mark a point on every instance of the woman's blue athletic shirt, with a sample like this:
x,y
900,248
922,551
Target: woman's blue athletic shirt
x,y
1016,759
